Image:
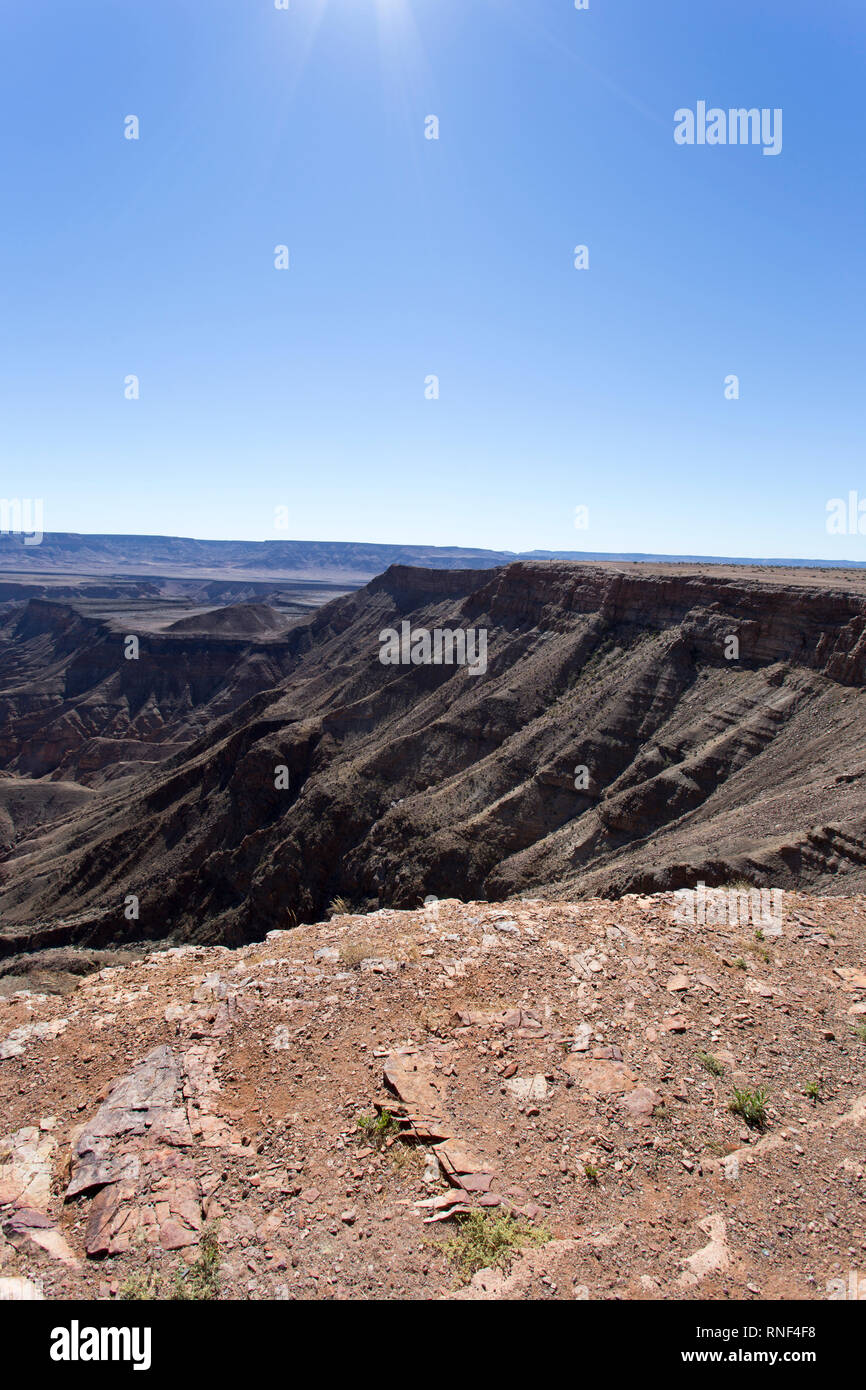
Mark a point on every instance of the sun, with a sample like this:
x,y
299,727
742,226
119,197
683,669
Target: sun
x,y
402,62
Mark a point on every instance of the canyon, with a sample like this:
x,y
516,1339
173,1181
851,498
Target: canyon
x,y
160,777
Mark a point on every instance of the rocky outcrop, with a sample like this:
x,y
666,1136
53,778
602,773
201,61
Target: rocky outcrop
x,y
641,1109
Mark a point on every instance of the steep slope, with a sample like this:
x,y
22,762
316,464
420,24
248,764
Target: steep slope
x,y
73,705
402,781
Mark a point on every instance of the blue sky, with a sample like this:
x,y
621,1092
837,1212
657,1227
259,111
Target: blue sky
x,y
410,257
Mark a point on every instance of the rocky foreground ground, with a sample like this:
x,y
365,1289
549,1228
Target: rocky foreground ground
x,y
341,1110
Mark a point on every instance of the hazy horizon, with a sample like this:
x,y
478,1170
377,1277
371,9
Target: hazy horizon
x,y
32,552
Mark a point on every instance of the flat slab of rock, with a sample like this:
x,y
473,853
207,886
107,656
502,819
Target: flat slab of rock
x,y
601,1078
528,1087
17,1290
713,1258
411,1076
141,1101
131,1156
35,1226
640,1103
674,1024
26,1163
18,1040
758,987
852,979
459,1159
25,1168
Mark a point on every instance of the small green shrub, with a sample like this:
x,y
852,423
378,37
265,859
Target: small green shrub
x,y
489,1240
377,1128
202,1279
752,1106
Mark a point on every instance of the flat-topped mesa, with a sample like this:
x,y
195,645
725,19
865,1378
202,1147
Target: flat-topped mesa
x,y
821,628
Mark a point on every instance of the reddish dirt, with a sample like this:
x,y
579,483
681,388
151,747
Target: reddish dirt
x,y
613,1139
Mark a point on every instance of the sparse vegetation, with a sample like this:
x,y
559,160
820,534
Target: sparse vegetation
x,y
860,1032
812,1089
740,964
751,1106
376,1129
489,1240
353,952
711,1064
590,1172
202,1279
339,907
407,1159
142,1287
719,1149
